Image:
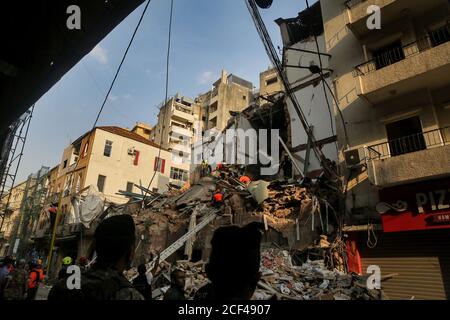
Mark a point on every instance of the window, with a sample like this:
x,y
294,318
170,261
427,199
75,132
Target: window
x,y
244,97
178,174
101,182
85,149
65,164
130,186
108,148
159,165
271,81
405,136
213,107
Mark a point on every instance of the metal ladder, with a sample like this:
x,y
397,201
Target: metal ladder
x,y
210,215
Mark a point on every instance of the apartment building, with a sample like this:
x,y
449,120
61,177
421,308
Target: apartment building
x,y
229,93
111,158
142,129
178,122
11,206
269,85
393,89
313,96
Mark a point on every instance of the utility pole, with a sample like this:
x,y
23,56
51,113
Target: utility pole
x,y
52,242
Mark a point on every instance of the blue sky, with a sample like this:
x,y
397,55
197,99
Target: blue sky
x,y
208,35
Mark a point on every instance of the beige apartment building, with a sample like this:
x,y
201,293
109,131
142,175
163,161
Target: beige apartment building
x,y
142,129
178,122
269,85
393,89
12,215
111,158
229,93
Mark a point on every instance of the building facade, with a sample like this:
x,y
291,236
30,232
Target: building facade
x,y
175,130
229,93
393,89
313,94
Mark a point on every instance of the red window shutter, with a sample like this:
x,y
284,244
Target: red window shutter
x,y
136,158
163,165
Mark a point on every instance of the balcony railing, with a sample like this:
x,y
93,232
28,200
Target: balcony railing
x,y
183,110
433,39
352,3
408,144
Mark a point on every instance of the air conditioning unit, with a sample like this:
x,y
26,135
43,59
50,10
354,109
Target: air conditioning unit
x,y
352,158
132,151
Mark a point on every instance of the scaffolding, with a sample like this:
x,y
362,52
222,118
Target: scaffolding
x,y
10,159
32,203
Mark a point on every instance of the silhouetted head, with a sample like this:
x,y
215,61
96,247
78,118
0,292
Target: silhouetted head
x,y
178,278
115,242
233,266
142,269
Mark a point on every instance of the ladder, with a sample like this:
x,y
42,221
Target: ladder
x,y
209,216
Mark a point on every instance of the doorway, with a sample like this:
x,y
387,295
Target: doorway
x,y
405,136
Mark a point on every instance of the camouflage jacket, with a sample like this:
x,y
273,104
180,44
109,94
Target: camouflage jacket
x,y
16,285
96,284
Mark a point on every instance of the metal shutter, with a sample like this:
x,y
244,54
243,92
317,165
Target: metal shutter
x,y
422,260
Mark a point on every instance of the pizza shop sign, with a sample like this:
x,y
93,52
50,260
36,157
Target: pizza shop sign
x,y
418,206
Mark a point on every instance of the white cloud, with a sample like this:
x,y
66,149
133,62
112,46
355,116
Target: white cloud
x,y
207,77
100,54
112,97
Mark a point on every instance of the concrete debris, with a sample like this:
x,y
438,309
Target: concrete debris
x,y
310,281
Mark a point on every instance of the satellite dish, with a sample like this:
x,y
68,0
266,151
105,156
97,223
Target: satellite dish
x,y
264,4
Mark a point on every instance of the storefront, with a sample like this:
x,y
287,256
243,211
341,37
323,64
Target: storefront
x,y
415,243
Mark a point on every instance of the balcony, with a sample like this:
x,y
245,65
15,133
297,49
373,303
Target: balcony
x,y
182,114
421,64
391,11
180,146
409,159
179,131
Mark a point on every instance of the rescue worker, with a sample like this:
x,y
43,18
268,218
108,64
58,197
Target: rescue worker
x,y
62,274
218,198
83,263
222,170
205,168
4,274
176,290
115,245
141,283
245,180
16,286
35,277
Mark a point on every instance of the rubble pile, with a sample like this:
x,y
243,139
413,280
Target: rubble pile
x,y
310,281
285,202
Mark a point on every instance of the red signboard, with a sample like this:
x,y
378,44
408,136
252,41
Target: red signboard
x,y
418,206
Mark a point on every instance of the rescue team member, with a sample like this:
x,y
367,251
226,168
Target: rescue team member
x,y
245,179
218,198
16,287
36,276
62,274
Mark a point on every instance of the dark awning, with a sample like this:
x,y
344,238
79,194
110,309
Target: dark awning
x,y
38,49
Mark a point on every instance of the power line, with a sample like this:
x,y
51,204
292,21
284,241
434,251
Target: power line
x,y
324,83
270,49
321,75
165,99
121,63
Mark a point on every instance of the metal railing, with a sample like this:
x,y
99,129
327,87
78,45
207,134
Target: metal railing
x,y
353,3
431,40
409,144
